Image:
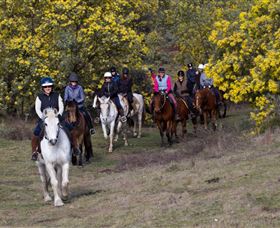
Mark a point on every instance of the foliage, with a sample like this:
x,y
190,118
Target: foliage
x,y
246,64
54,37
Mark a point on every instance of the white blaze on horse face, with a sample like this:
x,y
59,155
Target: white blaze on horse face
x,y
51,127
104,106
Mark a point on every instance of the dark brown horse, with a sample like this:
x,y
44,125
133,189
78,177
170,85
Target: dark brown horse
x,y
183,113
79,134
205,103
164,116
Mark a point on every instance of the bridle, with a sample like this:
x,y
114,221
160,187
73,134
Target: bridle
x,y
162,93
57,133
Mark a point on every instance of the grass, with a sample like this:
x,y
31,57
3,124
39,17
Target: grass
x,y
220,179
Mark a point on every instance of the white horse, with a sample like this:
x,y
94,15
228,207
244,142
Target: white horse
x,y
53,162
108,117
137,113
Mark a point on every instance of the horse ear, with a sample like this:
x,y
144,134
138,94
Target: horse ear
x,y
107,100
99,99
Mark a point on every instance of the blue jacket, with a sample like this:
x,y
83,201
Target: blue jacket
x,y
75,93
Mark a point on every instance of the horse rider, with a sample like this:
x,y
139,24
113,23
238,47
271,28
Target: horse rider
x,y
110,89
181,89
125,87
115,75
208,82
74,91
191,79
163,83
45,99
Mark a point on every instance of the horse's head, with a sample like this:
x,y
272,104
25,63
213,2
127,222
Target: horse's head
x,y
104,107
51,125
71,107
200,98
159,101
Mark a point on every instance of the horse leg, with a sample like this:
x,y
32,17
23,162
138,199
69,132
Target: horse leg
x,y
225,109
57,200
104,129
194,122
134,127
81,155
169,132
205,120
184,129
59,180
44,179
112,126
214,120
88,146
124,133
65,180
139,125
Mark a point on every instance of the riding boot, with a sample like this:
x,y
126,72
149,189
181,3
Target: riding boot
x,y
35,141
89,122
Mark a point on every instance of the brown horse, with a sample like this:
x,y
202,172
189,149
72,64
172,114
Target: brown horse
x,y
205,103
164,116
224,105
79,134
183,113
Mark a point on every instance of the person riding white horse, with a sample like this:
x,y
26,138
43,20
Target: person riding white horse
x,y
53,162
47,98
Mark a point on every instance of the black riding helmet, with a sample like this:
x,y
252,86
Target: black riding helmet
x,y
125,70
73,77
161,70
181,73
113,69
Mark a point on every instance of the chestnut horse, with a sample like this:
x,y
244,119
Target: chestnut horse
x,y
205,103
164,116
79,134
183,113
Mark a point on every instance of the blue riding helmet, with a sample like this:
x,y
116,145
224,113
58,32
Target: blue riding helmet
x,y
47,81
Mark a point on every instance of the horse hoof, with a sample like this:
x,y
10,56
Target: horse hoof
x,y
126,144
58,203
139,136
47,198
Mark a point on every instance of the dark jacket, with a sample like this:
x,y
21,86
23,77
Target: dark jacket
x,y
50,101
124,85
180,88
109,89
190,80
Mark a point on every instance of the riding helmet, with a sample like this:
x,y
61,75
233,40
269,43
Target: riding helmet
x,y
107,75
113,69
47,81
125,70
73,77
181,73
200,66
190,65
161,69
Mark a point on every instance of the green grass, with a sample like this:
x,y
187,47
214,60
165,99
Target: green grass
x,y
174,193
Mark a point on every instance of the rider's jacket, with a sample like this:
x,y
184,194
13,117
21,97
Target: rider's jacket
x,y
124,85
109,89
43,101
205,81
75,93
190,80
180,88
162,84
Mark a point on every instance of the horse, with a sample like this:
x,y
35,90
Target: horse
x,y
108,117
223,105
79,134
164,116
53,161
205,103
136,114
183,113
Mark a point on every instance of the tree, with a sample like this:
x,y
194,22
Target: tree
x,y
246,64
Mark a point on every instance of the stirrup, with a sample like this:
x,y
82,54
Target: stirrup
x,y
123,119
92,131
